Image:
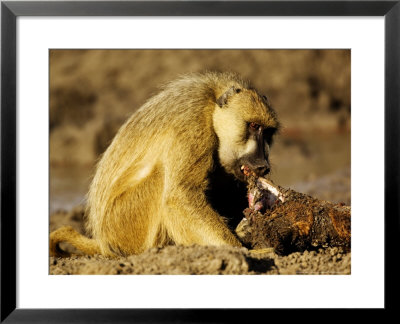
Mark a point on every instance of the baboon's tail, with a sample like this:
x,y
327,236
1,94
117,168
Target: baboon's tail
x,y
71,236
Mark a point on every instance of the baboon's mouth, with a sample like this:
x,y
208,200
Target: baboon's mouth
x,y
245,169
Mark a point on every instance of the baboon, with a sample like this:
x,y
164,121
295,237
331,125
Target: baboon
x,y
173,174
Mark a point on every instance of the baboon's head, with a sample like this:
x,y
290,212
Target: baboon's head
x,y
245,125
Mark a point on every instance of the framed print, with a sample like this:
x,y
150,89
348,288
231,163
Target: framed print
x,y
103,57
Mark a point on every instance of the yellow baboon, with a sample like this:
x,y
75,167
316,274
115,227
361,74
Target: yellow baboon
x,y
174,171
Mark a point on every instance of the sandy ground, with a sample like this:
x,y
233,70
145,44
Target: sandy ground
x,y
207,260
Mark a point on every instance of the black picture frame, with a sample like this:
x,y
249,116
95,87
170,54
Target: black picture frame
x,y
10,10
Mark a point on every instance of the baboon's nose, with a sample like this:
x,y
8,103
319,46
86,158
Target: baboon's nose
x,y
263,170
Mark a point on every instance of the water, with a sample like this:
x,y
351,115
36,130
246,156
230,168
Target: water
x,y
68,187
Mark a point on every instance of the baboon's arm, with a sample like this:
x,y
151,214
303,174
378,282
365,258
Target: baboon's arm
x,y
191,220
71,236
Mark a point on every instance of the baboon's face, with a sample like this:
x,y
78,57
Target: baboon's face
x,y
245,126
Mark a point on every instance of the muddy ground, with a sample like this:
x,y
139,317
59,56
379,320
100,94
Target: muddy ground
x,y
92,92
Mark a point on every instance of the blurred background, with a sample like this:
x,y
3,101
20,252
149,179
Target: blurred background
x,y
92,92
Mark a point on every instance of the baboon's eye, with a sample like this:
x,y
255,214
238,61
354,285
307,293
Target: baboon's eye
x,y
268,134
254,126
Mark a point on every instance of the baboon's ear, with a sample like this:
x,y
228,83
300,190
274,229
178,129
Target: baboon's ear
x,y
223,100
266,100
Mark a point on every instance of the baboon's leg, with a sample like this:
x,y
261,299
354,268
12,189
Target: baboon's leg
x,y
132,223
195,222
